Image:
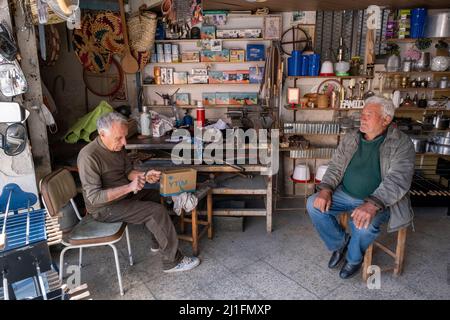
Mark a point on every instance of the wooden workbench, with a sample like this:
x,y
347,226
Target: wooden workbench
x,y
259,185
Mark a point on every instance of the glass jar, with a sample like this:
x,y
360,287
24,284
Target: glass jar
x,y
431,82
407,65
405,81
443,83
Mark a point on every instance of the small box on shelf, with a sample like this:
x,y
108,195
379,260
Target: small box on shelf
x,y
222,98
182,99
237,55
190,56
256,52
215,56
209,98
243,98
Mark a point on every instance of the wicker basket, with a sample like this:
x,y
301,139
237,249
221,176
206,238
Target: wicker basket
x,y
141,30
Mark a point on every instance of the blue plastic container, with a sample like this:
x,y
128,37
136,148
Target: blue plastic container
x,y
304,65
313,64
418,18
295,63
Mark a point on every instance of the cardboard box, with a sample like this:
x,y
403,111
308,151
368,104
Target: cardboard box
x,y
216,76
215,56
222,98
237,55
174,182
208,32
182,99
256,74
190,56
209,98
256,52
195,79
180,77
244,98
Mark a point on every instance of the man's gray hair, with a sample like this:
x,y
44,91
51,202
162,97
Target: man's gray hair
x,y
387,104
105,122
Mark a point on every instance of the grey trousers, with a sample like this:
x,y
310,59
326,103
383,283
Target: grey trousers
x,y
142,208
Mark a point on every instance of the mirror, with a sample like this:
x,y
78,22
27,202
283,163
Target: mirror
x,y
14,140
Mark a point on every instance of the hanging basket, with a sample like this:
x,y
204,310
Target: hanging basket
x,y
142,29
52,16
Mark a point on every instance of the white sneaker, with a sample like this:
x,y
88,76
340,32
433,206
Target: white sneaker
x,y
187,263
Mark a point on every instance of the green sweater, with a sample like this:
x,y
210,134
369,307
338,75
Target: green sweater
x,y
363,174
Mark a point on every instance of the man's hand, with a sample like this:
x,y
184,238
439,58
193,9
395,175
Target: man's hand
x,y
137,183
323,200
153,176
364,214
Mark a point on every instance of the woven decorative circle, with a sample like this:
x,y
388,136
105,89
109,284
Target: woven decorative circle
x,y
92,56
106,29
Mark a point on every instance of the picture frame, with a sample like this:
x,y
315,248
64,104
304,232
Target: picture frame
x,y
272,27
293,95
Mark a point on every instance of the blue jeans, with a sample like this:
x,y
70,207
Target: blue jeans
x,y
332,232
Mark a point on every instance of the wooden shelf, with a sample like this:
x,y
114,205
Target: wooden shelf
x,y
401,73
423,89
201,84
410,40
322,109
329,77
196,63
205,106
406,109
199,40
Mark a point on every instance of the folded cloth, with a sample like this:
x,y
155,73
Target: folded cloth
x,y
87,124
185,201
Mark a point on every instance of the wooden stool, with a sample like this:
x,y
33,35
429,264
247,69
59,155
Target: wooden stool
x,y
195,221
398,254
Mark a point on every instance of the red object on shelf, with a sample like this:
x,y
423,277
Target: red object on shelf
x,y
311,179
200,115
326,75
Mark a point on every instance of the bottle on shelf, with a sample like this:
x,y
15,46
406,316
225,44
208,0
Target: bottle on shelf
x,y
423,83
146,122
416,99
200,114
407,102
422,101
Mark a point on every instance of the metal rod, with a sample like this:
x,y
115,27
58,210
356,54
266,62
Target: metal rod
x,y
6,212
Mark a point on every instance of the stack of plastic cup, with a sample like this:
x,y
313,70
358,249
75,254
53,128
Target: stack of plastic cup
x,y
304,65
313,64
294,63
418,17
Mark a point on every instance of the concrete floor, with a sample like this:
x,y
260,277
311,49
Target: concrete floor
x,y
290,263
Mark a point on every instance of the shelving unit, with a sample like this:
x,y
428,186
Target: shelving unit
x,y
199,40
206,106
201,84
409,40
173,64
